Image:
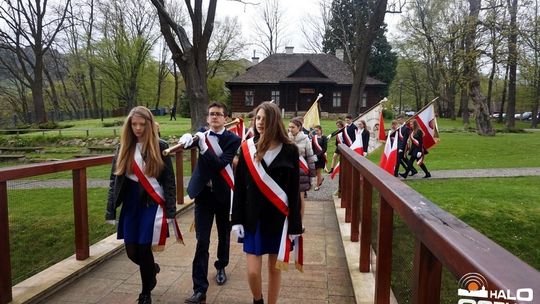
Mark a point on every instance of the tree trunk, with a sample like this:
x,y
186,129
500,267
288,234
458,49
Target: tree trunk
x,y
464,105
176,87
483,124
512,62
503,98
54,95
362,55
37,90
197,93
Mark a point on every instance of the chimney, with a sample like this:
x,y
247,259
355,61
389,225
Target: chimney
x,y
254,59
289,49
339,54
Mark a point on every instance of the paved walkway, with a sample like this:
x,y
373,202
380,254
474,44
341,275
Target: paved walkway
x,y
463,173
325,279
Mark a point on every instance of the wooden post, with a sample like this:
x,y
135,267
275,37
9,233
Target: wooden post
x,y
427,275
365,228
384,253
80,209
355,204
180,176
5,259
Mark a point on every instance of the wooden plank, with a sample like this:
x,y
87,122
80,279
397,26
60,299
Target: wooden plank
x,y
365,228
384,253
5,259
355,204
427,276
179,176
80,209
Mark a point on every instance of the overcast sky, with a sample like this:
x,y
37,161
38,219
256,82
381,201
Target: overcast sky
x,y
294,10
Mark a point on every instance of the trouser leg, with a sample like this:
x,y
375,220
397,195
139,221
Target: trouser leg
x,y
224,235
203,226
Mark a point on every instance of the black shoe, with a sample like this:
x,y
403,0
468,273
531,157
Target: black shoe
x,y
221,276
403,175
413,173
197,298
331,170
260,301
145,298
428,175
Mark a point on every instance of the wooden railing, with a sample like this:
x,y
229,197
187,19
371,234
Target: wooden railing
x,y
80,208
441,239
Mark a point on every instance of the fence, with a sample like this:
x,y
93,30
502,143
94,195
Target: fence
x,y
80,207
441,240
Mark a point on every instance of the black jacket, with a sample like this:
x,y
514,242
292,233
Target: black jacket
x,y
166,179
251,206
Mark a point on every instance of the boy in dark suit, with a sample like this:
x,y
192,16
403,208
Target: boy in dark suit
x,y
210,186
402,134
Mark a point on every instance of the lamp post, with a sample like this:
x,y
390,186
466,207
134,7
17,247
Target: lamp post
x,y
400,88
101,96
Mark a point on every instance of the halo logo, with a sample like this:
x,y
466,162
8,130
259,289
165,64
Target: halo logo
x,y
474,285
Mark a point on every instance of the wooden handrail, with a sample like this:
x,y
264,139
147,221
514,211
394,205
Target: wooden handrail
x,y
80,205
441,237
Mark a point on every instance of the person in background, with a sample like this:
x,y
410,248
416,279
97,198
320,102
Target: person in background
x,y
307,158
319,142
257,216
173,112
417,151
364,133
402,134
339,139
210,185
139,173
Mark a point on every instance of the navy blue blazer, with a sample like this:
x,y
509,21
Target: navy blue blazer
x,y
209,166
402,142
351,131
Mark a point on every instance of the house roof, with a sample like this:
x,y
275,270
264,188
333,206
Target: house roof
x,y
280,68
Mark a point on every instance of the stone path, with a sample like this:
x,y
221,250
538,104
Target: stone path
x,y
325,279
437,174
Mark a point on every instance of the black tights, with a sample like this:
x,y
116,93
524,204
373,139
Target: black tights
x,y
142,255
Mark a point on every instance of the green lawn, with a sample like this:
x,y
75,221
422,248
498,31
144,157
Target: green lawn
x,y
42,229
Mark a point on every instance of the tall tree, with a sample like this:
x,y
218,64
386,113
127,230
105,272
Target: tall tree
x,y
314,27
512,63
29,25
355,25
483,124
125,47
225,44
190,56
269,27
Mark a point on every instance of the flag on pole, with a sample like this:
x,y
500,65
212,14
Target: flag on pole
x,y
238,129
389,155
428,122
372,118
382,135
311,118
358,145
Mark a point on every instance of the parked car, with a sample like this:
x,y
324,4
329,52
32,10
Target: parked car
x,y
517,116
526,116
409,113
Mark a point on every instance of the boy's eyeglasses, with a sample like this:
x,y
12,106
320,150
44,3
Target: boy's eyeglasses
x,y
218,114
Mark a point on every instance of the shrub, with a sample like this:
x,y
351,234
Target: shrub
x,y
115,123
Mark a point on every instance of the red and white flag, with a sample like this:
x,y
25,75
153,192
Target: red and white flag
x,y
389,155
372,117
428,122
382,135
238,129
358,145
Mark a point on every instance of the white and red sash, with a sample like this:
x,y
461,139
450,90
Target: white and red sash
x,y
277,196
303,164
346,139
227,172
315,143
154,189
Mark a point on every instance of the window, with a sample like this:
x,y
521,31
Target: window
x,y
248,98
336,99
275,97
364,99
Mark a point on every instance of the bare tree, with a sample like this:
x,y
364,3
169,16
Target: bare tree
x,y
314,27
29,33
512,63
531,37
225,44
190,56
269,27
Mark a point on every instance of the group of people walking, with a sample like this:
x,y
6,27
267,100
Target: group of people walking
x,y
261,200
